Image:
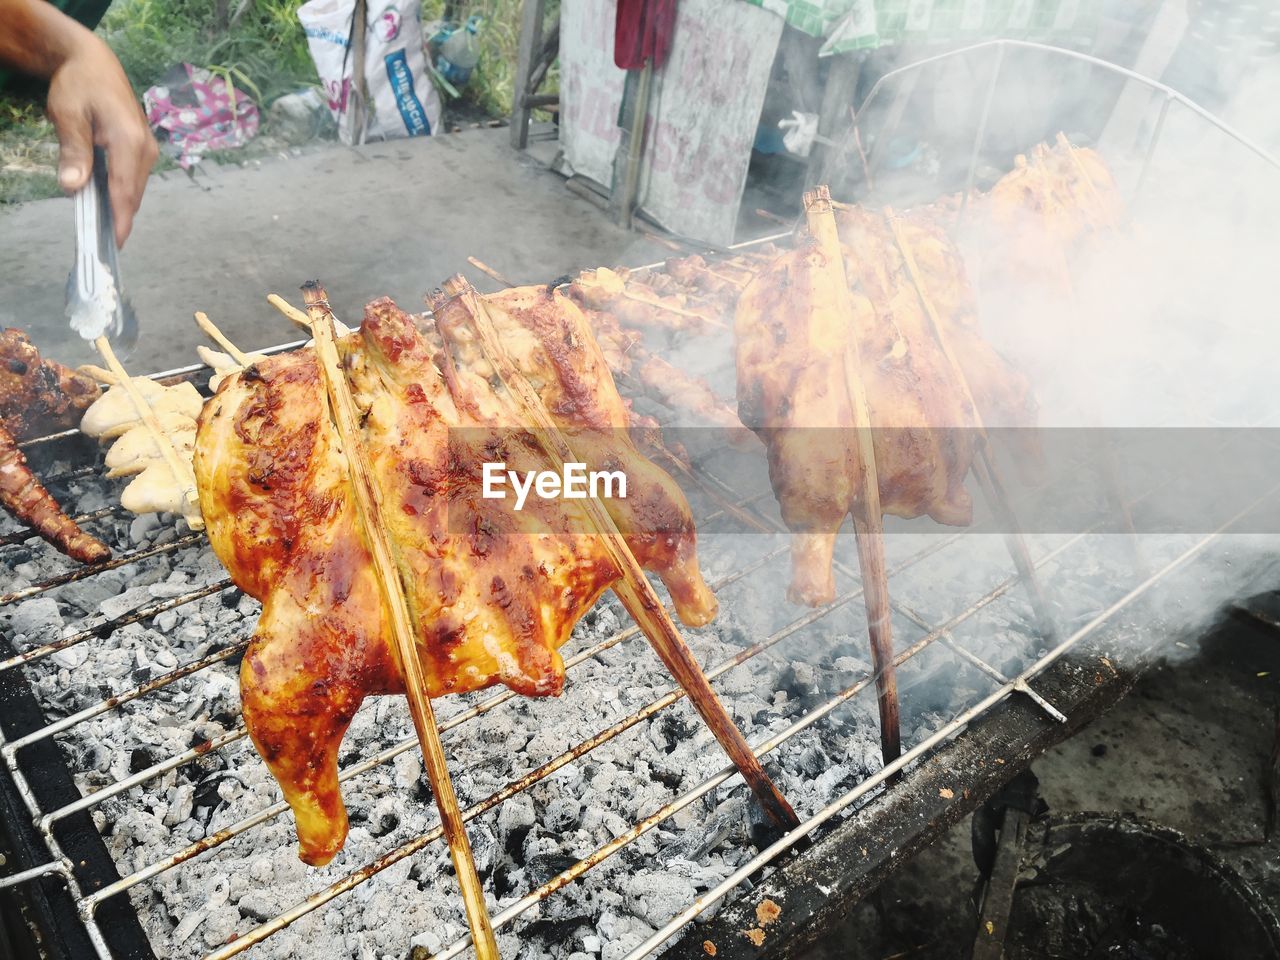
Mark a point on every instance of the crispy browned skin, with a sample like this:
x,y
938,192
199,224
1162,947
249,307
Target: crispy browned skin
x,y
791,345
37,397
493,592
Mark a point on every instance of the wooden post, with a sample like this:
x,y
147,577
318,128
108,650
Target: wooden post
x,y
530,43
837,97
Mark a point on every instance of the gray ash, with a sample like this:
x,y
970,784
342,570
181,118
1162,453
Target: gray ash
x,y
413,905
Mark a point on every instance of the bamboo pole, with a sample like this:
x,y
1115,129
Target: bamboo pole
x,y
868,521
634,589
183,474
984,468
368,501
1067,145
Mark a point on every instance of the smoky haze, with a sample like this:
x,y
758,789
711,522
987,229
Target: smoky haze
x,y
1165,346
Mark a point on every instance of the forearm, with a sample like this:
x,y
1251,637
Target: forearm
x,y
36,38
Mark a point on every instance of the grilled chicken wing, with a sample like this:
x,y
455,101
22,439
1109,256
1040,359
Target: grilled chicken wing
x,y
493,592
37,397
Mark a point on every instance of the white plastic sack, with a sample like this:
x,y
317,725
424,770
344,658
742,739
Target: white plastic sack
x,y
403,101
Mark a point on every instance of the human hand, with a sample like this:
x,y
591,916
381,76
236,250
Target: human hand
x,y
91,104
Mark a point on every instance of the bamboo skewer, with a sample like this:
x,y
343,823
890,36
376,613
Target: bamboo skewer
x,y
984,468
634,590
659,305
489,272
732,281
369,509
868,521
100,374
182,472
217,336
1084,175
649,301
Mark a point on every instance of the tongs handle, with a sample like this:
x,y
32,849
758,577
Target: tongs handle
x,y
95,301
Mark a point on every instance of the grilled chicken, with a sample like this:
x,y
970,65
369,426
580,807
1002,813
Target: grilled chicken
x,y
494,592
875,264
38,397
792,344
1037,218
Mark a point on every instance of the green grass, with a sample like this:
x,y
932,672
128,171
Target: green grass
x,y
262,50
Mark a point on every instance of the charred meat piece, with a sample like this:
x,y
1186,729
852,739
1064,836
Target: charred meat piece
x,y
38,397
494,592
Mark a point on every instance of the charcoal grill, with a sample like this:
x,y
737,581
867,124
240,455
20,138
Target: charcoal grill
x,y
996,718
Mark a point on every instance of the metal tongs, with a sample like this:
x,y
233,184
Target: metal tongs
x,y
96,306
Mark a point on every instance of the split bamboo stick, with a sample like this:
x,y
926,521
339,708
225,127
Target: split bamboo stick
x,y
634,589
211,330
984,468
369,509
868,520
489,272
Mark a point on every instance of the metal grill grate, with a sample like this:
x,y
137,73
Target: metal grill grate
x,y
715,500
722,502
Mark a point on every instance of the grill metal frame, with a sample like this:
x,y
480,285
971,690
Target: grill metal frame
x,y
94,897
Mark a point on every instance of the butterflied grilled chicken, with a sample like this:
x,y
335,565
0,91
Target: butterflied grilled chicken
x,y
493,592
38,397
792,343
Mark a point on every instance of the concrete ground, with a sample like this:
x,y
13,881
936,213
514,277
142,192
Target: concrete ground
x,y
1189,748
393,218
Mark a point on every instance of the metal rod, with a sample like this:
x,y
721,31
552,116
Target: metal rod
x,y
35,873
83,573
119,700
27,533
1150,152
980,135
105,627
1002,43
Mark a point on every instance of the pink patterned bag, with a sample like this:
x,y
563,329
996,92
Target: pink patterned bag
x,y
194,113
